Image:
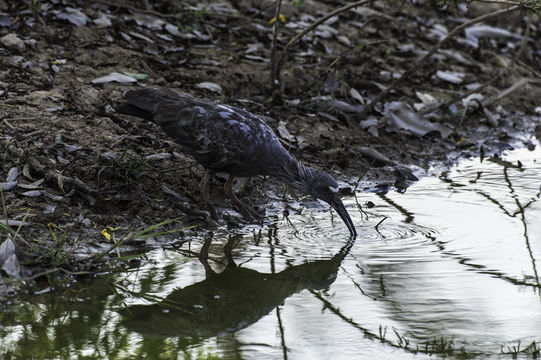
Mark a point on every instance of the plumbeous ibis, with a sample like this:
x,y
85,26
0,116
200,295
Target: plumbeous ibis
x,y
227,139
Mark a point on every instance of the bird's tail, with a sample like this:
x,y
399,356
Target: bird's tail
x,y
144,102
129,109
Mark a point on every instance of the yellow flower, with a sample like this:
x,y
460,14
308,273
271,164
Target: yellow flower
x,y
106,234
281,17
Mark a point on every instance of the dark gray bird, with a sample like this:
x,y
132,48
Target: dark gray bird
x,y
227,139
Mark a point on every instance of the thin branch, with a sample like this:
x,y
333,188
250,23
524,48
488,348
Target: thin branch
x,y
139,10
502,72
325,18
416,65
275,73
181,16
313,26
51,176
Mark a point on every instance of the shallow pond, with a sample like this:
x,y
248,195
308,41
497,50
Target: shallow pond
x,y
451,271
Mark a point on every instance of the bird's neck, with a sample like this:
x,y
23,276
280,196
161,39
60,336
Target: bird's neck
x,y
295,174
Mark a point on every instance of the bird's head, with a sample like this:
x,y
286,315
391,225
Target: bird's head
x,y
320,185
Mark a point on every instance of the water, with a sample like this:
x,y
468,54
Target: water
x,y
451,272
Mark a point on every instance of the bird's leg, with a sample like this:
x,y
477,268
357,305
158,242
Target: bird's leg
x,y
204,188
228,187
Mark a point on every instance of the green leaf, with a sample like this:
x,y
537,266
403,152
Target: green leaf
x,y
136,76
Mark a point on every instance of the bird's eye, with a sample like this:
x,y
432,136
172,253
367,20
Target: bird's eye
x,y
333,189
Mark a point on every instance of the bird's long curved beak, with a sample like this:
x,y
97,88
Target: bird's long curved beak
x,y
338,205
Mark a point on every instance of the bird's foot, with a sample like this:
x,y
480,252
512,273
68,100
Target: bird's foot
x,y
212,211
249,214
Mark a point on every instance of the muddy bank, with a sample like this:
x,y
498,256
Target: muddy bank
x,y
78,178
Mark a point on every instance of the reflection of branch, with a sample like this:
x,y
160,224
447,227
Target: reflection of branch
x,y
494,201
523,220
336,311
273,271
429,347
282,333
527,239
356,284
520,210
409,215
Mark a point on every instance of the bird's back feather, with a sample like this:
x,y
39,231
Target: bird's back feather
x,y
220,137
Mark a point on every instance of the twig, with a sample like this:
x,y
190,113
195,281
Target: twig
x,y
162,15
533,7
529,68
505,92
325,18
149,69
23,118
312,27
9,125
275,73
100,255
50,175
46,272
139,10
502,72
416,64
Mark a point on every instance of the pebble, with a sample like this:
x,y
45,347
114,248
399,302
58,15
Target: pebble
x,y
14,60
12,40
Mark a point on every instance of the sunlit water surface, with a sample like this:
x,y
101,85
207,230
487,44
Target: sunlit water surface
x,y
451,271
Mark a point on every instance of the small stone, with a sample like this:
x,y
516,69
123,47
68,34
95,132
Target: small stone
x,y
14,60
12,40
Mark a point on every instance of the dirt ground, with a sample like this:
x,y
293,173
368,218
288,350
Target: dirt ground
x,y
70,167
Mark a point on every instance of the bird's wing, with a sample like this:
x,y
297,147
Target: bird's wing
x,y
222,138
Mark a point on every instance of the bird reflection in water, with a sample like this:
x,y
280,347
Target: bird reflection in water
x,y
229,301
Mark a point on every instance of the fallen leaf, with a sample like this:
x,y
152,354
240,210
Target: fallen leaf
x,y
5,20
32,186
355,95
344,40
114,77
284,133
481,30
74,16
136,76
451,76
102,21
12,267
6,186
13,173
401,116
26,171
149,21
7,248
159,156
210,86
32,193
